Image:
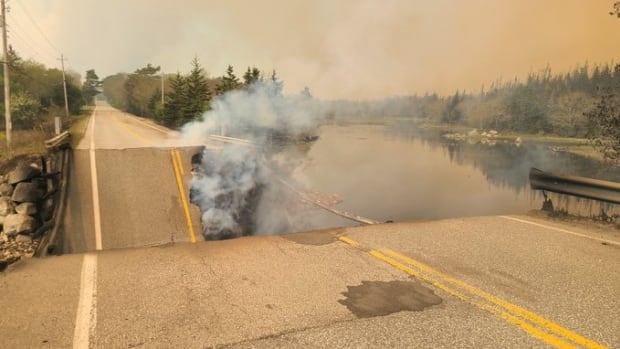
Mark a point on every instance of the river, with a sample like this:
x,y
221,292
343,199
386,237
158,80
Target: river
x,y
397,172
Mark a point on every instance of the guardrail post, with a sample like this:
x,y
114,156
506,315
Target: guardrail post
x,y
57,125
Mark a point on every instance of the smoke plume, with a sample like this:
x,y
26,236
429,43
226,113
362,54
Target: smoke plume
x,y
239,188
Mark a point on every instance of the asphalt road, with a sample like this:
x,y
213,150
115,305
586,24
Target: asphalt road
x,y
138,194
480,282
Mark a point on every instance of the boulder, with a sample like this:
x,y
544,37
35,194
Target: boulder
x,y
19,224
23,173
27,192
6,206
6,189
28,208
23,238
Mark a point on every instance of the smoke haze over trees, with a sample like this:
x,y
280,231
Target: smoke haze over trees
x,y
544,103
186,96
604,119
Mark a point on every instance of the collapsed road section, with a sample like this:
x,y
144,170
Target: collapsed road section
x,y
239,192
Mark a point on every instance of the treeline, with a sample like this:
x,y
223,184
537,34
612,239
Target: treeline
x,y
175,99
37,92
542,103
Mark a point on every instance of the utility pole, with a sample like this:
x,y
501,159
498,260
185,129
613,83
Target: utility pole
x,y
7,87
162,89
64,84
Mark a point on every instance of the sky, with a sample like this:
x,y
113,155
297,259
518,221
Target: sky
x,y
352,49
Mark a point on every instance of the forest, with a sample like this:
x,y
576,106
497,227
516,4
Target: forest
x,y
185,97
582,103
37,93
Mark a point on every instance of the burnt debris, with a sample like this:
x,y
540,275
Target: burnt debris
x,y
227,187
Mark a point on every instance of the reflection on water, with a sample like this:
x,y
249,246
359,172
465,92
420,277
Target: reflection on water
x,y
399,173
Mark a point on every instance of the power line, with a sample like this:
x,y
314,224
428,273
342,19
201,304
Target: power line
x,y
25,43
24,37
37,26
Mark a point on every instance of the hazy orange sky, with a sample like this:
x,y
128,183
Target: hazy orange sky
x,y
339,48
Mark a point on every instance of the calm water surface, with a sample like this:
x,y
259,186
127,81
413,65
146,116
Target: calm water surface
x,y
398,173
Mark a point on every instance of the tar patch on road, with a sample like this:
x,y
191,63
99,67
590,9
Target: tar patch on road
x,y
379,298
316,238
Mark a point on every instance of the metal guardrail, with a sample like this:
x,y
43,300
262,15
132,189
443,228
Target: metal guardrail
x,y
59,141
583,187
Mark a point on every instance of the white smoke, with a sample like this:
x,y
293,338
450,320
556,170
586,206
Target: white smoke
x,y
236,187
251,113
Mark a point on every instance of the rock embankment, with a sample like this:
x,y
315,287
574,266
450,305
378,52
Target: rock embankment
x,y
26,202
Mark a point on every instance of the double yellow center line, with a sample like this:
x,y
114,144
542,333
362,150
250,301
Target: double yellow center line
x,y
536,325
131,131
178,172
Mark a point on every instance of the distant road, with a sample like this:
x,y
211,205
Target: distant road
x,y
138,197
477,282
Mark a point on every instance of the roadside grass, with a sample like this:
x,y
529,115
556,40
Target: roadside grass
x,y
78,125
23,142
31,141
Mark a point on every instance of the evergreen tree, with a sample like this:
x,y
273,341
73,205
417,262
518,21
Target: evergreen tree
x,y
452,114
176,100
90,86
276,84
198,94
251,76
228,82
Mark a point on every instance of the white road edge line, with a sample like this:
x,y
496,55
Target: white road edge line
x,y
86,318
95,187
611,242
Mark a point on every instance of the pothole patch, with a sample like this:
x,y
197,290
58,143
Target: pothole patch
x,y
316,238
380,298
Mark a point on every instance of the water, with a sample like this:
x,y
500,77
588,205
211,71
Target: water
x,y
397,172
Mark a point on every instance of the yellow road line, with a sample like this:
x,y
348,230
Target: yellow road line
x,y
505,304
178,156
132,132
498,307
349,241
156,128
534,331
176,163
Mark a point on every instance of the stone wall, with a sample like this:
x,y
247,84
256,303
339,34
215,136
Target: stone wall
x,y
26,204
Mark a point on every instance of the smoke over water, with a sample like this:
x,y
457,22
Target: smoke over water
x,y
239,188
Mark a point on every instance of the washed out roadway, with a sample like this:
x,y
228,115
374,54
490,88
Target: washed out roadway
x,y
474,282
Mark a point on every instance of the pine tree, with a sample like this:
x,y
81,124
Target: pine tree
x,y
90,85
276,84
176,101
251,76
228,82
198,94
